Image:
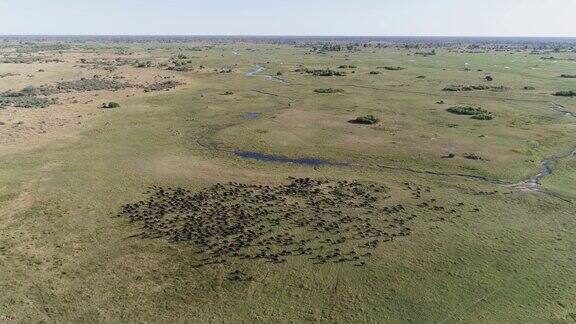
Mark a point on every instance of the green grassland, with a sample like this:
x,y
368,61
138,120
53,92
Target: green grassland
x,y
66,256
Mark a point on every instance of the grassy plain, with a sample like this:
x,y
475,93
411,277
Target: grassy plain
x,y
66,171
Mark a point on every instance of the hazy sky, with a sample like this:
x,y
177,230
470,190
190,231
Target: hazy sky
x,y
291,17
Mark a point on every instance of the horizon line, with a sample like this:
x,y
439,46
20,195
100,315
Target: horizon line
x,y
276,35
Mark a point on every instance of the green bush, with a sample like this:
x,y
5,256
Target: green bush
x,y
391,68
472,156
568,76
466,110
474,112
328,90
365,120
483,117
111,104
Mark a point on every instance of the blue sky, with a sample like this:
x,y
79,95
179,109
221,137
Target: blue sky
x,y
291,17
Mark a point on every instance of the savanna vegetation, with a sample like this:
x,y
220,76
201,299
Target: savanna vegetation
x,y
242,196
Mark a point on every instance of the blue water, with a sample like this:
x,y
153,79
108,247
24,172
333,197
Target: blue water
x,y
251,115
280,159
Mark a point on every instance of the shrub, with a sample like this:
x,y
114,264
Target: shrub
x,y
472,156
111,104
432,52
8,75
483,117
145,64
374,72
365,120
179,68
391,68
328,90
452,88
162,86
568,76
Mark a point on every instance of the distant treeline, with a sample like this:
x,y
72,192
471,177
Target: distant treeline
x,y
324,43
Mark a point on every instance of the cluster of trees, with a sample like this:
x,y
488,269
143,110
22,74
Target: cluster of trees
x,y
328,48
180,63
474,112
334,47
565,93
473,87
431,53
84,84
26,101
324,72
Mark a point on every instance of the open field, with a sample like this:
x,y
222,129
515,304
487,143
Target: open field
x,y
424,216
